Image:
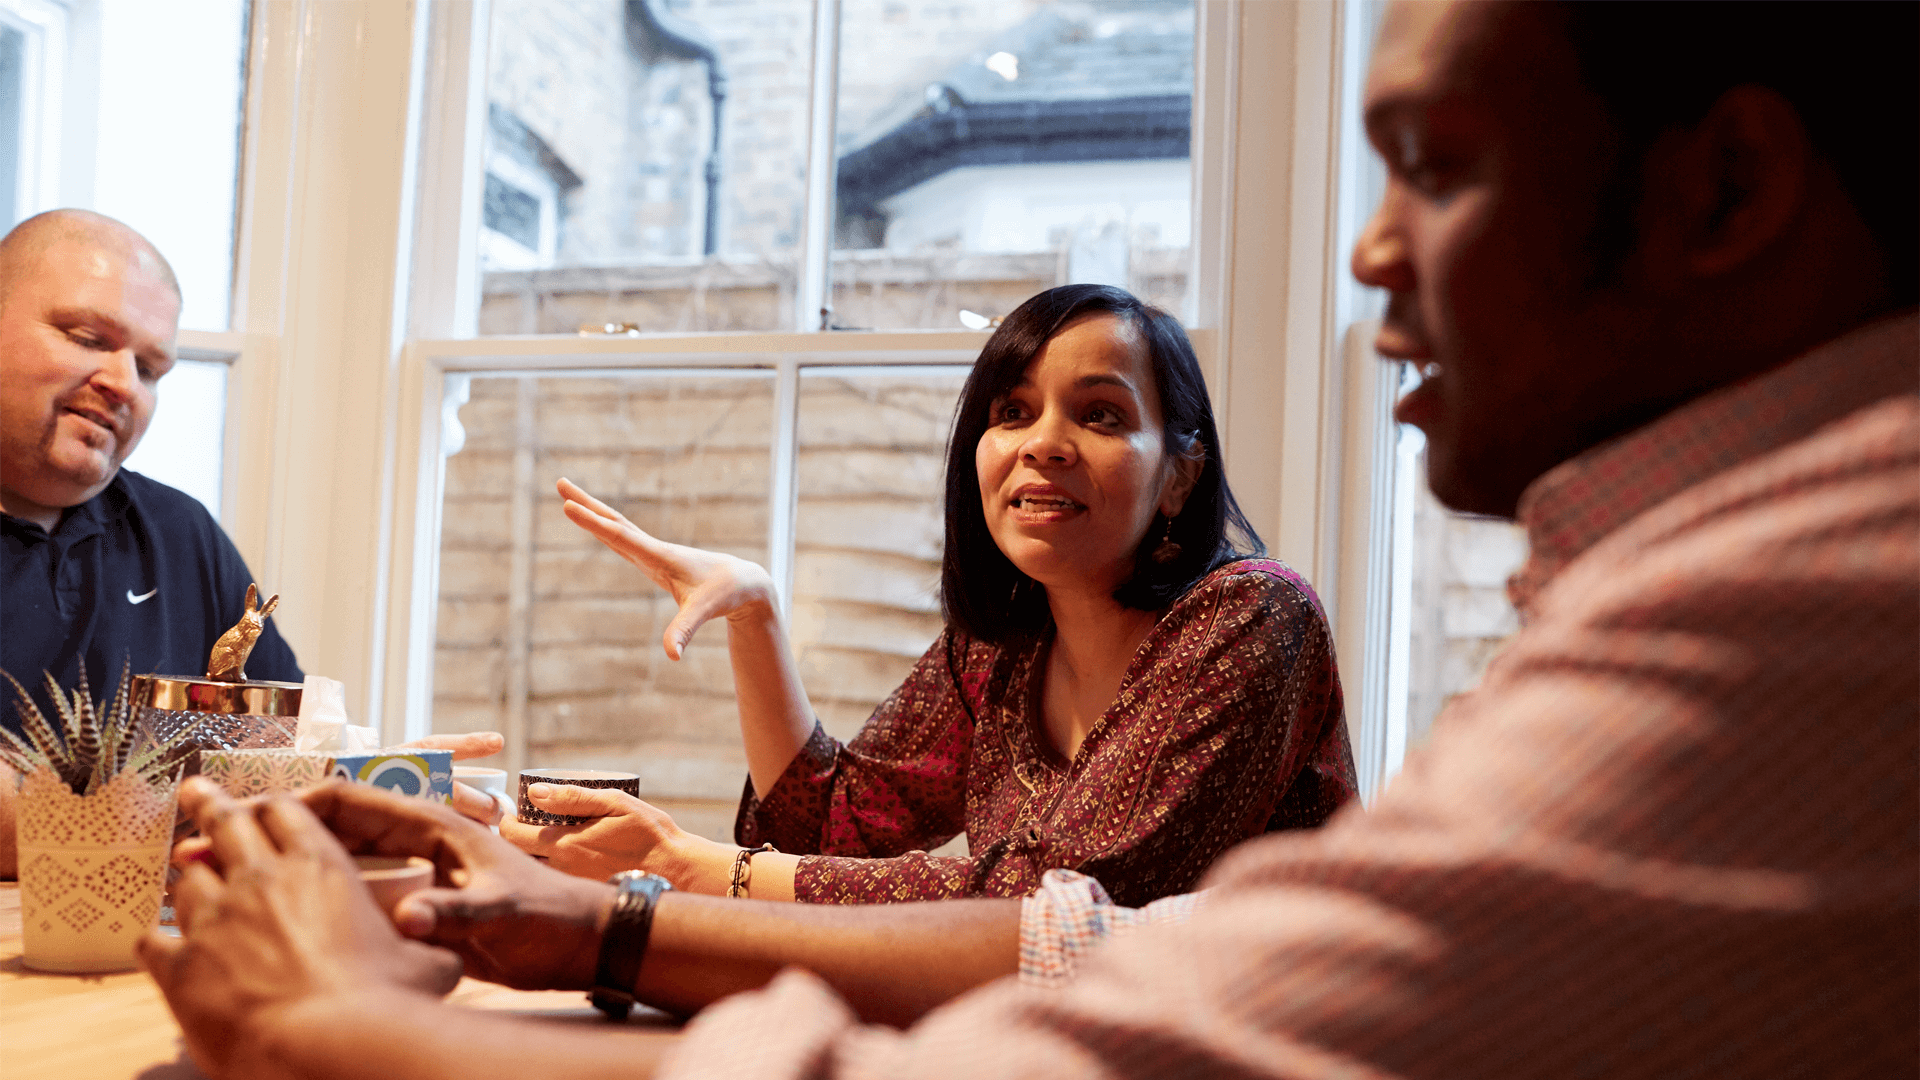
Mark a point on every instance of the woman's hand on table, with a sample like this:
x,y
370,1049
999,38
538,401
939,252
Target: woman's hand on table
x,y
625,834
274,918
706,584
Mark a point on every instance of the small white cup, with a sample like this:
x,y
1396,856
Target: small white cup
x,y
482,778
491,781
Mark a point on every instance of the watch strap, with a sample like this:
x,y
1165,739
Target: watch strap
x,y
624,944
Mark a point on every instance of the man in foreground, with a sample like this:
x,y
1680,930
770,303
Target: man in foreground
x,y
1661,280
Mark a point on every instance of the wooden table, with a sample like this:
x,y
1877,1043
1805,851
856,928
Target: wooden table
x,y
105,1027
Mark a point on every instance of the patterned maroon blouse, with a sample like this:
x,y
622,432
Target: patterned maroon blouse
x,y
1228,724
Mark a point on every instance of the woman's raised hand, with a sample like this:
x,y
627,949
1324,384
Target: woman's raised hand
x,y
706,584
775,718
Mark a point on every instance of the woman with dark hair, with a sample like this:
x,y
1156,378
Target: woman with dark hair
x,y
1124,686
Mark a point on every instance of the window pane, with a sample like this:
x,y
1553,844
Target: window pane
x,y
989,151
537,620
183,443
869,532
156,144
1458,612
646,163
13,75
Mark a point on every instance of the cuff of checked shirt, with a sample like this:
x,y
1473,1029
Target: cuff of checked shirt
x,y
1070,914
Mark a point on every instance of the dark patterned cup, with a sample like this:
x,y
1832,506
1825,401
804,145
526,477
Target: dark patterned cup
x,y
589,778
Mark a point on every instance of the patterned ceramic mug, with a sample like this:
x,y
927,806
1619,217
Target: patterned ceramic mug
x,y
590,778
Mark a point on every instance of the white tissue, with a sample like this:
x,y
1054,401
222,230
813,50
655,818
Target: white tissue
x,y
323,720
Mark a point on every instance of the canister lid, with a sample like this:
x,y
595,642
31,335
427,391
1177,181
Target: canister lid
x,y
184,694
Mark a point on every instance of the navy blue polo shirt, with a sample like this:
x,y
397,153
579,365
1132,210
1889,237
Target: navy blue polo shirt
x,y
141,570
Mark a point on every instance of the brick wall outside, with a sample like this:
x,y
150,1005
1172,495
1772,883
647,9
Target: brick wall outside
x,y
868,535
635,127
1461,615
871,290
687,458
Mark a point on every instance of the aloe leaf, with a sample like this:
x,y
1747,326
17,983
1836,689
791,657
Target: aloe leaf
x,y
16,744
18,762
36,727
76,770
69,725
84,740
118,738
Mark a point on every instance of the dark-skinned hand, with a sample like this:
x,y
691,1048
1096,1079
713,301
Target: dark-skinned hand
x,y
274,918
513,920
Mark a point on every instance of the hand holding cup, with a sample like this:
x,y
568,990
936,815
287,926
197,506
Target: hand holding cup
x,y
603,831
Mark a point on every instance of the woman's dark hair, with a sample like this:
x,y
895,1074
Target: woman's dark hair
x,y
980,588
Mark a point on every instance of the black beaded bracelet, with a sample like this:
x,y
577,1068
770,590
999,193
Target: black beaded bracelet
x,y
624,944
742,875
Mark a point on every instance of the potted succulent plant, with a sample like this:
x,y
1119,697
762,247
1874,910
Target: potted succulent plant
x,y
95,821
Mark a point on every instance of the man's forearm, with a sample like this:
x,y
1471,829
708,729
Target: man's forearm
x,y
396,1034
892,962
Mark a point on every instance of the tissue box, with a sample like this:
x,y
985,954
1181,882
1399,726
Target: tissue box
x,y
245,773
421,774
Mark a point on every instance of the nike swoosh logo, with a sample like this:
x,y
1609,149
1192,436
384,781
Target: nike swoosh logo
x,y
132,599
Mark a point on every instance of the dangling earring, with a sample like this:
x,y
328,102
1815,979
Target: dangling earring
x,y
1168,550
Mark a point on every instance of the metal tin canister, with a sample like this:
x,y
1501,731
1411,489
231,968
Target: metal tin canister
x,y
223,715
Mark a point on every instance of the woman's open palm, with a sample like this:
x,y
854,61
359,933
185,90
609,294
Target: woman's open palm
x,y
706,584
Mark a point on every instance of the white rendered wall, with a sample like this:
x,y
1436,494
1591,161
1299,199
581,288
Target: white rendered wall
x,y
1015,208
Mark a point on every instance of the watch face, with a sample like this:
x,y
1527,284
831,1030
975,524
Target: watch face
x,y
639,879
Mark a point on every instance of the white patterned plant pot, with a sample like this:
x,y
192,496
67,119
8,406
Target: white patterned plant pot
x,y
91,870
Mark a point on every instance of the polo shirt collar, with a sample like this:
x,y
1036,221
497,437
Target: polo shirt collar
x,y
80,522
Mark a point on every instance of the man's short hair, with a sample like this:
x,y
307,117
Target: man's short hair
x,y
1848,68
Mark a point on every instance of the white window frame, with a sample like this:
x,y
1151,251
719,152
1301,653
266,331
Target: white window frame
x,y
218,347
373,114
44,23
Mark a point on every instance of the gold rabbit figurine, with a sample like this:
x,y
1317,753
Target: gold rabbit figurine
x,y
228,661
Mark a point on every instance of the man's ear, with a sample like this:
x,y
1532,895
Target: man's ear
x,y
1187,466
1740,179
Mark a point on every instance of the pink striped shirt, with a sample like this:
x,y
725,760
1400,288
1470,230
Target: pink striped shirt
x,y
1673,833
